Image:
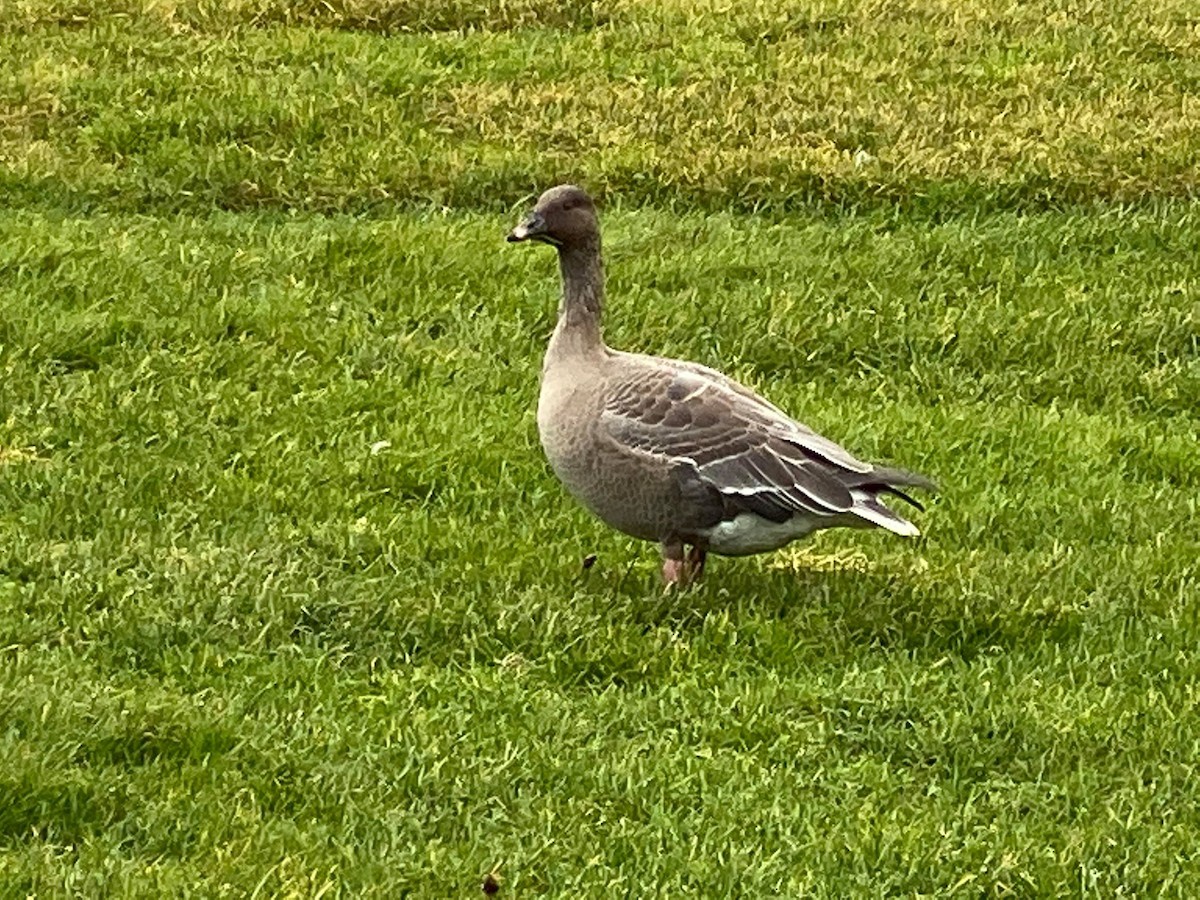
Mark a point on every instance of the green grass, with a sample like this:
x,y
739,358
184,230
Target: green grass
x,y
354,104
289,602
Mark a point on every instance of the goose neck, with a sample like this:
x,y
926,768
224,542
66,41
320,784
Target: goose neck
x,y
583,293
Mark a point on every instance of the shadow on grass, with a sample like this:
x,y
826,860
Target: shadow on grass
x,y
63,810
829,611
613,623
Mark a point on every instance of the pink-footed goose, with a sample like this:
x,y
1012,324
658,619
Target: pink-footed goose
x,y
675,452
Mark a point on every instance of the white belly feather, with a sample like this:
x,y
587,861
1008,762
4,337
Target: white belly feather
x,y
747,533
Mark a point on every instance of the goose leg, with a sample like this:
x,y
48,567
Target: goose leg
x,y
680,568
674,569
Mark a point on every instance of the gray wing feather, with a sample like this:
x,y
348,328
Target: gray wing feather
x,y
732,440
814,442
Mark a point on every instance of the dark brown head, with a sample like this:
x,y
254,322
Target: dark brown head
x,y
564,217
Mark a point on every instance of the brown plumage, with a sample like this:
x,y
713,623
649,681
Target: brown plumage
x,y
675,452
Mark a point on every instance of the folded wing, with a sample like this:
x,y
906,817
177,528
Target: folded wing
x,y
716,431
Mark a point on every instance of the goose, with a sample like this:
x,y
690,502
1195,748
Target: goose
x,y
675,452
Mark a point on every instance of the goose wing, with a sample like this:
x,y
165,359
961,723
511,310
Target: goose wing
x,y
723,434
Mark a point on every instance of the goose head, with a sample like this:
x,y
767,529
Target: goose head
x,y
563,217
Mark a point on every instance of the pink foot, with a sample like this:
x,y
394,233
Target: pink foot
x,y
674,571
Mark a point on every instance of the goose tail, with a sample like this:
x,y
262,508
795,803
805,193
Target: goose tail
x,y
868,486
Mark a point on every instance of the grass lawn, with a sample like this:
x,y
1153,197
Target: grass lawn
x,y
290,604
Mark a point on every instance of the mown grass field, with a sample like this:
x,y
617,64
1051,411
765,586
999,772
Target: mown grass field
x,y
290,604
